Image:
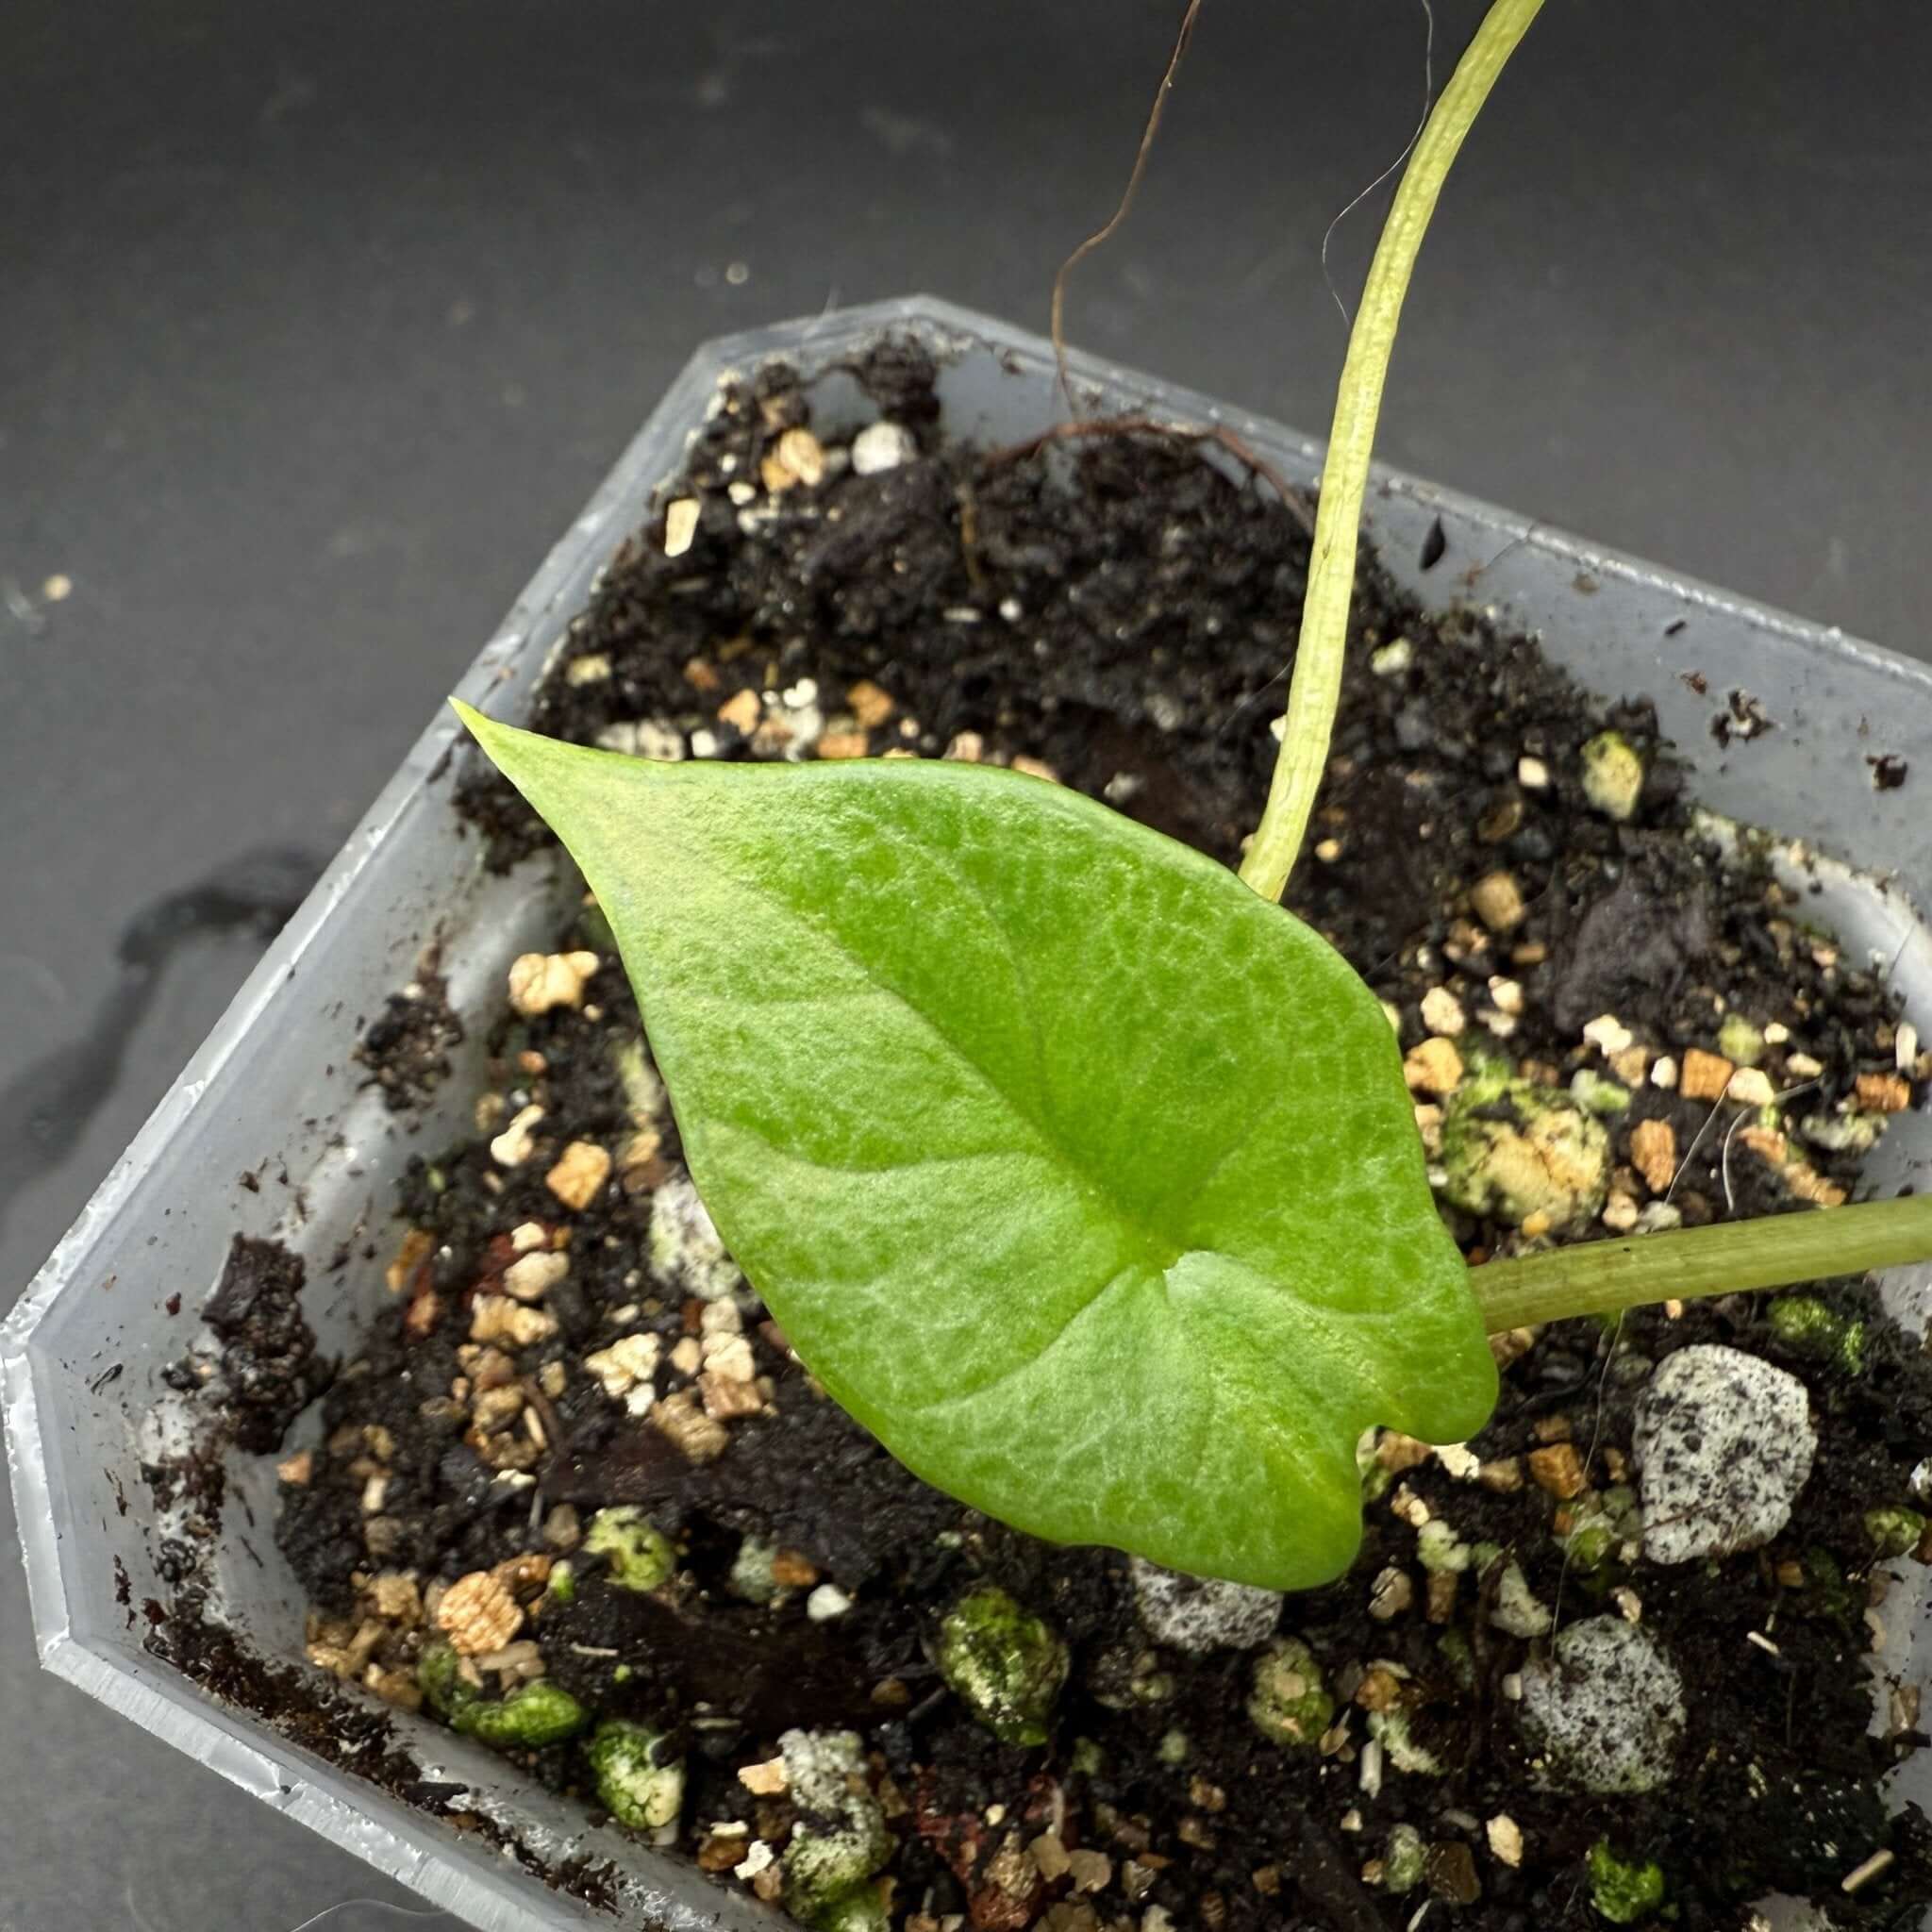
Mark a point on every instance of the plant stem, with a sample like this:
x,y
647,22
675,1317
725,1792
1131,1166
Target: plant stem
x,y
1602,1277
1317,684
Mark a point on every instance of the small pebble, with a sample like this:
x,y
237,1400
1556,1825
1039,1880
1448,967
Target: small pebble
x,y
729,1356
1517,1609
539,981
698,1437
645,738
1620,1212
1631,1065
1654,1154
870,705
1750,1087
1532,774
1739,1040
1451,1873
826,1602
517,1142
1090,1871
581,1169
497,1318
1398,1454
1883,1092
1558,1471
1442,1012
1198,1614
1724,1443
1613,775
1498,901
882,446
685,1247
1505,1838
1664,1073
1607,1033
1391,1593
1705,1076
765,1781
681,524
628,1361
798,457
1434,1067
1406,1506
1605,1709
532,1276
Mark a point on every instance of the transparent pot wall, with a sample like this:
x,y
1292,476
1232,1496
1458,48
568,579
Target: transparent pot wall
x,y
273,1089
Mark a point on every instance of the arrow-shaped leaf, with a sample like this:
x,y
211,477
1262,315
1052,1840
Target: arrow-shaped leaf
x,y
1082,1175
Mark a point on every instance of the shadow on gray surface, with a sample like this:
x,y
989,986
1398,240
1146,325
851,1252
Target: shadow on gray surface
x,y
53,1098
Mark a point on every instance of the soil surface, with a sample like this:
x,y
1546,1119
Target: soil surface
x,y
407,1046
1121,611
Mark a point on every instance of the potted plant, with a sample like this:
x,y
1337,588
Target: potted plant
x,y
956,1055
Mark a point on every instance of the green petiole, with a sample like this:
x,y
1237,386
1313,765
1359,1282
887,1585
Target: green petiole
x,y
1595,1277
1602,1277
1316,687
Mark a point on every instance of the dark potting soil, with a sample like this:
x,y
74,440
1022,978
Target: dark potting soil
x,y
1121,611
266,1370
407,1046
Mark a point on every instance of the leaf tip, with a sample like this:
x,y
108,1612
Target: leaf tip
x,y
506,747
480,727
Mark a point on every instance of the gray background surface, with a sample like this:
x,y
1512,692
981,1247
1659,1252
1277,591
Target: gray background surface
x,y
318,324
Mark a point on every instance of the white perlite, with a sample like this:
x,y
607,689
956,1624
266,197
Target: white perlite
x,y
645,738
1604,1712
1194,1613
882,446
1724,1443
817,1765
686,1251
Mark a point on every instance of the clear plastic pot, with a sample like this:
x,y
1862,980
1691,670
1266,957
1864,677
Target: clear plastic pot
x,y
273,1088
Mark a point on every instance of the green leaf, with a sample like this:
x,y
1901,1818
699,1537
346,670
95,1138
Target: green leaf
x,y
1082,1175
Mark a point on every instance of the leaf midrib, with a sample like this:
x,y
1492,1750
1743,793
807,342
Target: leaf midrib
x,y
1159,1250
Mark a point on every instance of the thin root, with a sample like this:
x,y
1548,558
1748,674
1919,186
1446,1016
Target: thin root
x,y
1295,502
1101,235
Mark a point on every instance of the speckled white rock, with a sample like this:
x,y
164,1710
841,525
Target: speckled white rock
x,y
1194,1613
686,1250
1604,1711
1724,1443
882,446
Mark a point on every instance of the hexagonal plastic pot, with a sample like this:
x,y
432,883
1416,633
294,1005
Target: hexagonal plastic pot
x,y
274,1081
